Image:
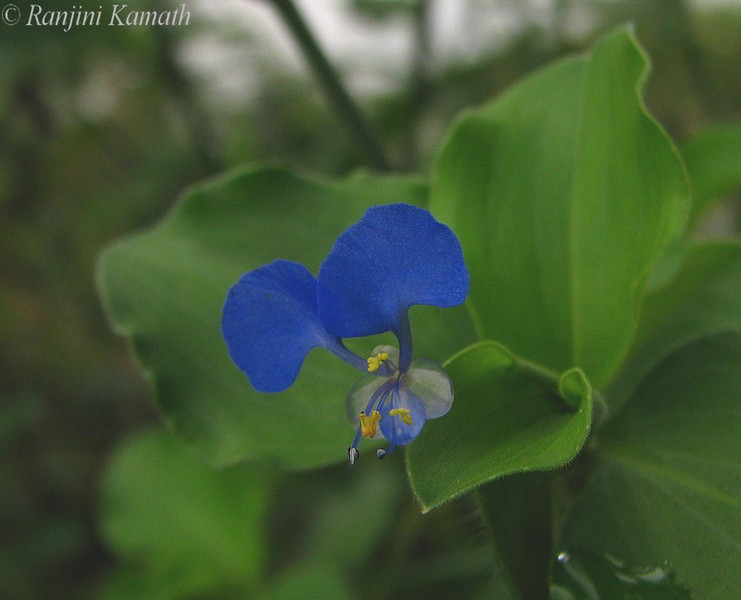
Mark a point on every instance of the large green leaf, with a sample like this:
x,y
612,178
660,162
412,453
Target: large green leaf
x,y
668,492
564,192
502,422
179,528
701,298
164,289
713,159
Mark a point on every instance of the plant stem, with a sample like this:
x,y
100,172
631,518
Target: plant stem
x,y
543,376
333,88
550,380
419,85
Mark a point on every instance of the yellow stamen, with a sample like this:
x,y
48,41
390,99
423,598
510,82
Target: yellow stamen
x,y
404,413
374,362
368,423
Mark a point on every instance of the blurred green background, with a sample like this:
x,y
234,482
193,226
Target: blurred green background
x,y
101,128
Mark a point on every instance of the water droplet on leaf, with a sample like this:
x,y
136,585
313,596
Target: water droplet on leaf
x,y
584,575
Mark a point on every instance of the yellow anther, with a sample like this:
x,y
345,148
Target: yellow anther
x,y
404,413
374,362
368,423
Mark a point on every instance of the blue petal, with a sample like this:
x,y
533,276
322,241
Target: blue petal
x,y
270,322
396,256
393,428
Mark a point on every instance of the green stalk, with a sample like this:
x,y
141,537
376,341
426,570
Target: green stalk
x,y
545,377
553,381
330,81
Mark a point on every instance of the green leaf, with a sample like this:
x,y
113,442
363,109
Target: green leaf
x,y
584,575
701,298
503,421
668,491
564,192
165,288
713,159
181,527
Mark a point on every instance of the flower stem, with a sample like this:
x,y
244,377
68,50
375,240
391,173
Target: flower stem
x,y
334,89
404,335
336,347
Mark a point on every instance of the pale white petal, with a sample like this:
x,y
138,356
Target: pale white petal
x,y
430,383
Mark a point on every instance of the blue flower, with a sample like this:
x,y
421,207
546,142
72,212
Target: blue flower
x,y
396,256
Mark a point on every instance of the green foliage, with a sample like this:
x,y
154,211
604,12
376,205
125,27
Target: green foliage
x,y
308,583
700,299
101,129
207,524
713,159
609,354
584,575
518,512
666,490
502,422
180,530
543,186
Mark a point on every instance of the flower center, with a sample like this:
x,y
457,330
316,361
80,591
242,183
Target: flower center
x,y
374,362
